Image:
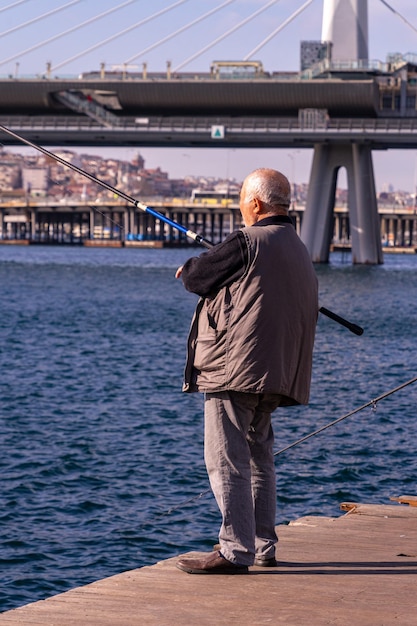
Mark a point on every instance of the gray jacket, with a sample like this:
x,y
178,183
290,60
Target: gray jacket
x,y
257,334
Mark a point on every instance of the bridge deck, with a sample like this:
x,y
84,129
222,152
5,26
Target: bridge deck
x,y
358,568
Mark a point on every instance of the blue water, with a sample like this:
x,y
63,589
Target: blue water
x,y
99,449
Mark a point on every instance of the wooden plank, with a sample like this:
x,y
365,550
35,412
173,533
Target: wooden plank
x,y
375,510
411,500
358,569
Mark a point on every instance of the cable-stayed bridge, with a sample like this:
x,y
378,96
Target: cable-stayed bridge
x,y
339,103
70,36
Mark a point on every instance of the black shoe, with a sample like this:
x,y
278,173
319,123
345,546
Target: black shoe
x,y
259,562
213,563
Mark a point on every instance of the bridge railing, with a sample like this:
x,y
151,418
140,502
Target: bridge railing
x,y
196,124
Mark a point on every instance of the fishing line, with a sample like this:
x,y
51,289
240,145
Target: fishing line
x,y
372,403
139,205
91,207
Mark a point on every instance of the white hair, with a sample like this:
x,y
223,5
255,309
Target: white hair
x,y
269,186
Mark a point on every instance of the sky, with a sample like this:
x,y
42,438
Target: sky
x,y
140,31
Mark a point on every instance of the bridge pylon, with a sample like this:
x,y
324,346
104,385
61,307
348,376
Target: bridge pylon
x,y
345,24
317,225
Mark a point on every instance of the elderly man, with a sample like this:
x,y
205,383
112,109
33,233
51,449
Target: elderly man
x,y
250,351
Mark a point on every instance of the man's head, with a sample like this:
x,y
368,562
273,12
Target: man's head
x,y
264,193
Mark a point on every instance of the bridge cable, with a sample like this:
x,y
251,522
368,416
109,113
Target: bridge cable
x,y
66,32
122,32
40,17
180,30
399,15
11,6
277,30
226,34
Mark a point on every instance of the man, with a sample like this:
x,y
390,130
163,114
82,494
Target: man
x,y
250,351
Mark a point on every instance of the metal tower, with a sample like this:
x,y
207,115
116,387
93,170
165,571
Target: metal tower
x,y
345,24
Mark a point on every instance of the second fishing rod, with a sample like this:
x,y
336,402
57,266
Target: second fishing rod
x,y
354,328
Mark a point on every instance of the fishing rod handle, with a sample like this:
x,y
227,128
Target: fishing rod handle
x,y
354,328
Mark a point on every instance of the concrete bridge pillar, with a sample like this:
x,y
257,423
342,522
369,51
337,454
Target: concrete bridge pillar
x,y
33,225
2,224
317,226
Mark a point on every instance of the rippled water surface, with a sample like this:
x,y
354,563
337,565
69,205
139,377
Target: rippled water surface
x,y
101,454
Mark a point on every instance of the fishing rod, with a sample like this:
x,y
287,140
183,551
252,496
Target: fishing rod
x,y
372,403
140,205
354,328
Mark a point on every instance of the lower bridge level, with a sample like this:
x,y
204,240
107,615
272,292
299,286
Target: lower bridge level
x,y
119,224
114,223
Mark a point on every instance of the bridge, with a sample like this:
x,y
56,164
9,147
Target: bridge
x,y
342,108
182,111
116,223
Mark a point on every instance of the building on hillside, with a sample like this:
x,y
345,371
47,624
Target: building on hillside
x,y
35,180
10,177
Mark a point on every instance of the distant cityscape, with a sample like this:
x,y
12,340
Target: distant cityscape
x,y
37,176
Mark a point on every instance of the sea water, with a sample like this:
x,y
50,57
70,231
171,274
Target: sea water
x,y
101,454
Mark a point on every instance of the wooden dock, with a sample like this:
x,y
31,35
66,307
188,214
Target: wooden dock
x,y
359,568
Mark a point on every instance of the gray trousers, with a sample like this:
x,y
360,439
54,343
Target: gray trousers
x,y
238,451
